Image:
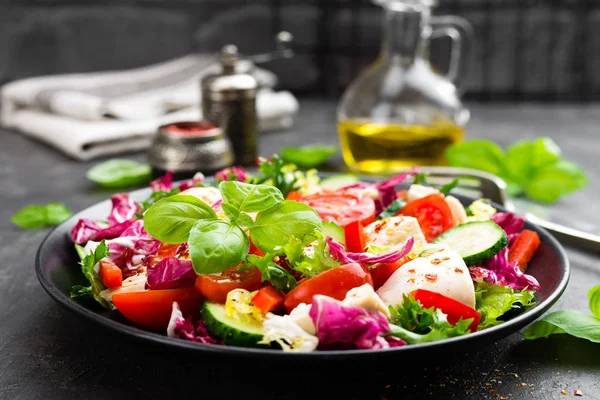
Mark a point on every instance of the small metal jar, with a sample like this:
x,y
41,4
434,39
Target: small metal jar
x,y
188,147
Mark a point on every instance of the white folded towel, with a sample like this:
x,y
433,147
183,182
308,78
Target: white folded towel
x,y
89,115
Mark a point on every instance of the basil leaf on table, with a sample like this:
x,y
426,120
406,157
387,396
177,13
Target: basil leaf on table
x,y
216,245
594,296
40,216
250,198
171,219
119,173
479,154
550,183
309,156
283,222
572,322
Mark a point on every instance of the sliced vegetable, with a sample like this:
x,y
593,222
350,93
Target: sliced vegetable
x,y
152,308
342,208
110,275
334,231
354,237
453,309
335,283
521,251
268,299
339,181
475,241
432,212
216,286
228,329
381,272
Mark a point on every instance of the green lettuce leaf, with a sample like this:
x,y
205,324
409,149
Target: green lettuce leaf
x,y
87,267
309,260
494,301
415,324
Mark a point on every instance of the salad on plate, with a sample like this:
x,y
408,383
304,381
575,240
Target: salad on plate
x,y
284,259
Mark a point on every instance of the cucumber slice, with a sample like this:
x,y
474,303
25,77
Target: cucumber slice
x,y
339,181
332,229
230,330
475,241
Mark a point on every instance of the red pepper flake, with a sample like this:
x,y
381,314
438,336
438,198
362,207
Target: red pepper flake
x,y
431,277
503,398
411,280
523,384
578,392
412,271
564,392
458,270
436,261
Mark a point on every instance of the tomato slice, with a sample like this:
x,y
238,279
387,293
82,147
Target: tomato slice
x,y
381,272
432,212
110,275
335,282
454,310
354,236
152,308
342,208
216,286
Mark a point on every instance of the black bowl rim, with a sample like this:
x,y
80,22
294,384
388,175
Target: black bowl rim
x,y
500,331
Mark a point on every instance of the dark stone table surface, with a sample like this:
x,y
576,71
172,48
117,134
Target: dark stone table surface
x,y
46,352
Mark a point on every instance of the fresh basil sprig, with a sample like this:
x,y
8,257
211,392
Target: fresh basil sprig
x,y
574,323
217,244
87,267
120,173
40,216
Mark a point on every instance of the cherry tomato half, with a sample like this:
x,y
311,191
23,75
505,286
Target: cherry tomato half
x,y
342,208
335,282
152,308
432,212
216,286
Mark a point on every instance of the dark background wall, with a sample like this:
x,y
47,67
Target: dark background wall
x,y
524,49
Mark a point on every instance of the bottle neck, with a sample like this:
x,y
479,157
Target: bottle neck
x,y
405,33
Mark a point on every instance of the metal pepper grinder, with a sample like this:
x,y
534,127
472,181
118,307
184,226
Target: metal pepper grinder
x,y
229,97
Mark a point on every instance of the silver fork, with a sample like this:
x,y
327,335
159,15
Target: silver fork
x,y
481,184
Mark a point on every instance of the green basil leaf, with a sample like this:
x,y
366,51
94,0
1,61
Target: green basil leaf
x,y
594,296
230,211
216,245
445,189
283,222
544,151
250,198
39,216
478,154
170,219
548,184
309,156
244,220
572,322
118,173
526,156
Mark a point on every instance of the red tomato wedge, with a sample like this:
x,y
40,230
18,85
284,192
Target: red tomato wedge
x,y
354,236
382,272
152,308
342,208
268,299
454,310
216,286
335,282
432,212
110,275
523,248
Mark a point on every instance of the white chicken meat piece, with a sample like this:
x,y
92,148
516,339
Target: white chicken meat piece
x,y
365,297
209,195
416,191
391,231
442,271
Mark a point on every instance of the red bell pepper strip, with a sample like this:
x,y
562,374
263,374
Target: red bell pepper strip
x,y
268,299
110,275
523,248
355,237
454,310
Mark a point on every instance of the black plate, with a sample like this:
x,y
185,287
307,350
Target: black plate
x,y
57,270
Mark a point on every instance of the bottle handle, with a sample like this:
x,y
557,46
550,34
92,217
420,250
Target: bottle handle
x,y
460,31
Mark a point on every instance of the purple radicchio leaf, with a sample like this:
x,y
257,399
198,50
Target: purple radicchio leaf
x,y
87,229
163,184
123,209
339,253
235,173
171,273
340,326
196,180
498,271
184,328
132,246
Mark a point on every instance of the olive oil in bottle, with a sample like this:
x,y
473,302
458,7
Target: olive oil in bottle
x,y
383,148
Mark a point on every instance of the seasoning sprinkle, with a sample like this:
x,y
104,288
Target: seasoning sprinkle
x,y
431,277
578,392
